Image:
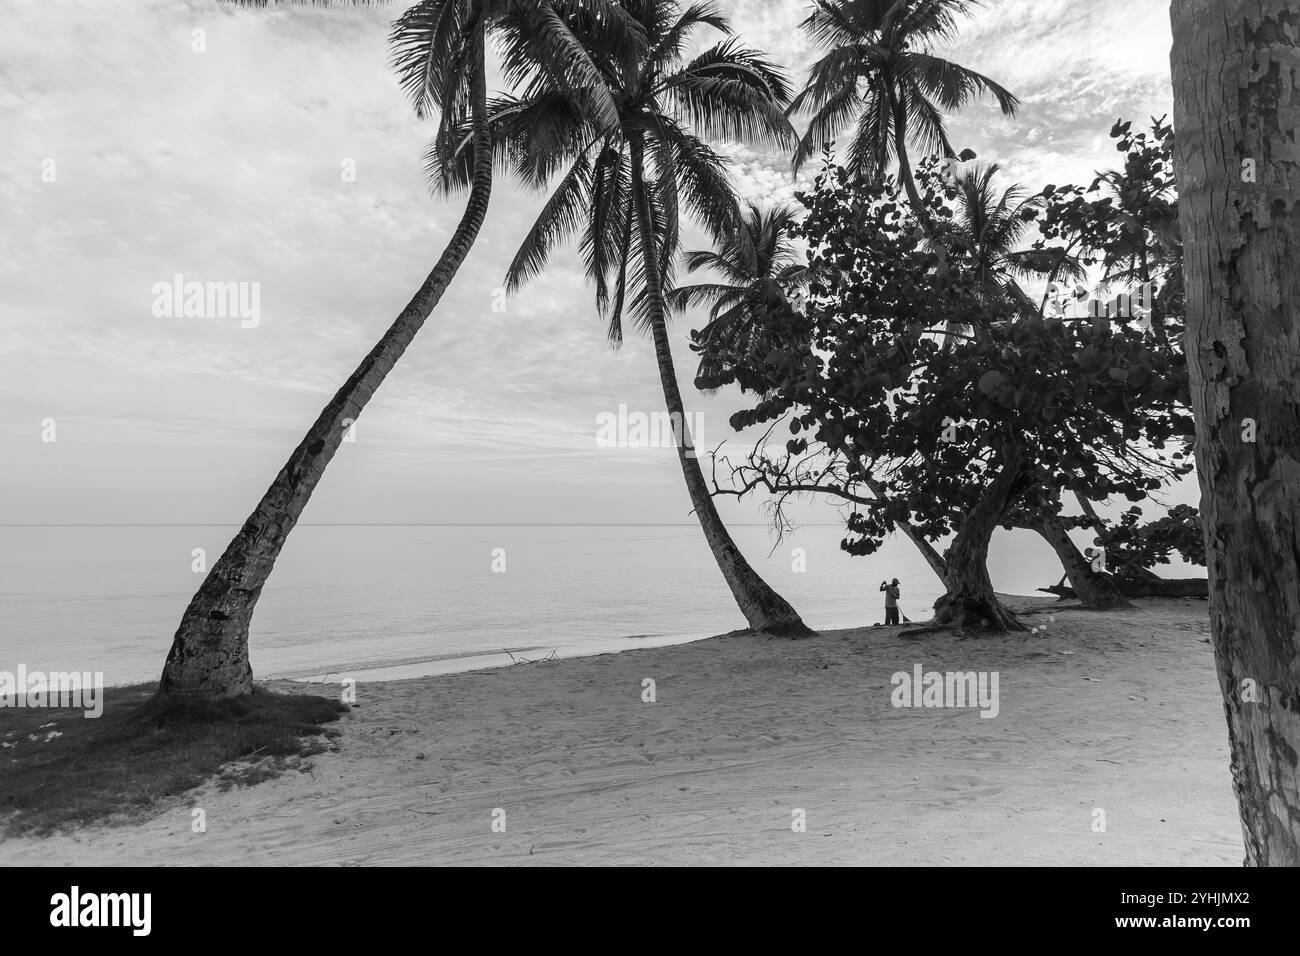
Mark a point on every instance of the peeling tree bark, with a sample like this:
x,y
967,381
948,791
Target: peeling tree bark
x,y
1236,66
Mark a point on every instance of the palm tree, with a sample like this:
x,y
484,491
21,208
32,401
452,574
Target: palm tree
x,y
988,226
878,68
1240,228
624,185
755,261
761,268
440,56
987,229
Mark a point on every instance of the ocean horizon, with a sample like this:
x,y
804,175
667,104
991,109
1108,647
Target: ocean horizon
x,y
384,600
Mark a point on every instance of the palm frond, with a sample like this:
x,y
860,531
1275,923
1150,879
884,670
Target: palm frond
x,y
559,218
702,178
684,297
827,123
427,43
542,46
872,146
731,92
669,48
953,86
835,23
602,240
931,20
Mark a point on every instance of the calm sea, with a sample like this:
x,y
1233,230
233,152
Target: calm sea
x,y
401,601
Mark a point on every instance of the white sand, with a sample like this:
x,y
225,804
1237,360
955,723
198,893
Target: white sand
x,y
744,731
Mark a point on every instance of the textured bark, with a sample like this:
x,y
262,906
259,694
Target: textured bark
x,y
1095,590
209,653
969,603
764,609
1235,68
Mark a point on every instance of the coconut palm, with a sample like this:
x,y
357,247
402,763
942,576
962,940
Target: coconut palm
x,y
986,230
878,71
622,187
439,48
988,227
754,262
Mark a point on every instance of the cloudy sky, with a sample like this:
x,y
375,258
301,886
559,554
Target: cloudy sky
x,y
130,157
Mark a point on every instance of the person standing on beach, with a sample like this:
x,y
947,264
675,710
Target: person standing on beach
x,y
891,601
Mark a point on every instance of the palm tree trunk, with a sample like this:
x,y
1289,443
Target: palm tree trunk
x,y
764,609
209,654
1234,63
922,213
905,164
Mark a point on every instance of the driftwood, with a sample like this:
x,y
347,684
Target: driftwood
x,y
1147,587
1164,587
1060,590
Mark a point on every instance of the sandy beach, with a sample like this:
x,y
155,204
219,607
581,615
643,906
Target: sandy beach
x,y
1113,712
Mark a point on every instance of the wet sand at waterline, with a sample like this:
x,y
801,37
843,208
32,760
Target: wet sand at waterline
x,y
1115,712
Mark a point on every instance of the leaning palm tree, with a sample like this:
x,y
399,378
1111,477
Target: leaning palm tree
x,y
440,55
755,261
623,187
879,70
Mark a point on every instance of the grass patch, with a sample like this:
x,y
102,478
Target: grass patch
x,y
59,769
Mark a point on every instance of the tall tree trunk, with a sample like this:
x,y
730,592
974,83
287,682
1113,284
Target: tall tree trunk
x,y
1095,590
969,603
209,654
950,329
764,609
1235,64
904,163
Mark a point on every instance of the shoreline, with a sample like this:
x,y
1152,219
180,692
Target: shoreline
x,y
437,665
585,763
449,664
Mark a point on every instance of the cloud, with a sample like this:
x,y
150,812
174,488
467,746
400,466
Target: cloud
x,y
233,162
